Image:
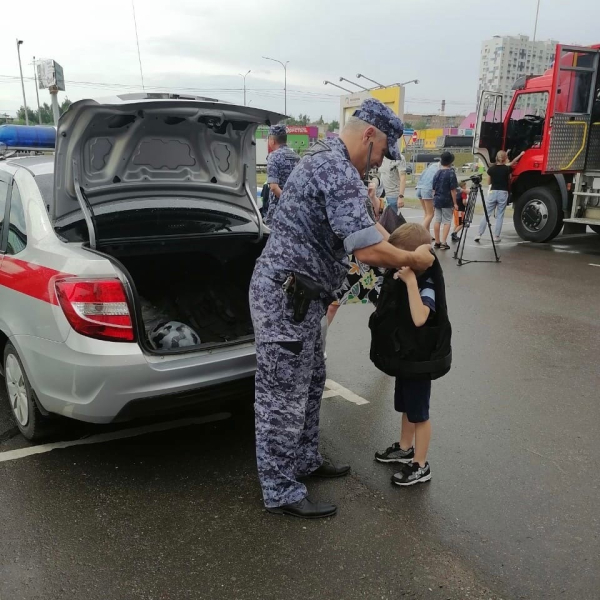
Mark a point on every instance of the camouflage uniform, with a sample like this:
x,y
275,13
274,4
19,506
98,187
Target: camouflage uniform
x,y
280,164
322,217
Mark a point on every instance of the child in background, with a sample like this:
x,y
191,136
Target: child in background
x,y
444,200
462,196
411,397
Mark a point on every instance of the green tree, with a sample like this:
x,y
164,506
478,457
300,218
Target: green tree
x,y
333,126
408,125
422,124
46,112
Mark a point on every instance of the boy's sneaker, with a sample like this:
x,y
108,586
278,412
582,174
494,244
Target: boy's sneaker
x,y
437,245
395,454
454,237
412,474
477,239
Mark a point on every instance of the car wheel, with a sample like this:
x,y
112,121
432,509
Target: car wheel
x,y
595,228
21,398
537,216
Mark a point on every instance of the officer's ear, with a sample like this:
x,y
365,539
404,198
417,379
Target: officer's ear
x,y
369,134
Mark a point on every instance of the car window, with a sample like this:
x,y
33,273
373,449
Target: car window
x,y
17,230
3,194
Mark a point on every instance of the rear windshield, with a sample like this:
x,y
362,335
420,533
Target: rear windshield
x,y
46,185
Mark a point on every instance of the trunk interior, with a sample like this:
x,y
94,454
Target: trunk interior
x,y
202,285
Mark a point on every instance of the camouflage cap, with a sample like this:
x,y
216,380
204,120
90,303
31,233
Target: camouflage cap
x,y
277,130
376,113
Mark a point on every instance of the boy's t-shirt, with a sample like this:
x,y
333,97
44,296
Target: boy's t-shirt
x,y
427,292
443,183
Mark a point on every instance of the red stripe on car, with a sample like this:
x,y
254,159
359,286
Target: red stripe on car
x,y
29,279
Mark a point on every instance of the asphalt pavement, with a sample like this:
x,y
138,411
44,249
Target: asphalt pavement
x,y
172,510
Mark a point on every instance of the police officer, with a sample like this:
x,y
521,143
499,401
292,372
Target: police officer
x,y
322,217
280,163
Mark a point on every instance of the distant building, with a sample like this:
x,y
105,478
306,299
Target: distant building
x,y
434,120
506,58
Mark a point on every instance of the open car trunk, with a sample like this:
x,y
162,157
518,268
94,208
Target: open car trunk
x,y
202,285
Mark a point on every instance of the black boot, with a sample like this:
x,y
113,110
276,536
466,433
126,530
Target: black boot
x,y
330,471
305,509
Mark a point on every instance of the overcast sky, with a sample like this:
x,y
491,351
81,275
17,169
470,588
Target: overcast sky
x,y
199,46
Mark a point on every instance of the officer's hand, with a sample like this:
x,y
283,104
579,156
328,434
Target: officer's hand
x,y
400,201
423,258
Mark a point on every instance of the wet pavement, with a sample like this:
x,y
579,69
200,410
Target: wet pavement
x,y
511,511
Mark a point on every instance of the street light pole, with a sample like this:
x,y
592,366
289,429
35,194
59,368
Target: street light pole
x,y
537,12
362,87
37,94
244,76
284,65
359,75
326,82
19,42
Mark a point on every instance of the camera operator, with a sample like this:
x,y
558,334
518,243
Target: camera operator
x,y
499,179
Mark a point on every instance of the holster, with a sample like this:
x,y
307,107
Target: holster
x,y
303,291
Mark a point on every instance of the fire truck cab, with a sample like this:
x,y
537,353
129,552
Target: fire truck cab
x,y
555,120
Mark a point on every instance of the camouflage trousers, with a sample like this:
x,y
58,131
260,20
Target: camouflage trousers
x,y
290,378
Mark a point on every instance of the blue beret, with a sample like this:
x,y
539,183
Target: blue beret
x,y
376,113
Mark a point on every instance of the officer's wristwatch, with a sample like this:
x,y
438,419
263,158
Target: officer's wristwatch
x,y
401,196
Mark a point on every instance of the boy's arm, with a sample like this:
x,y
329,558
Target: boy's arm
x,y
418,310
453,192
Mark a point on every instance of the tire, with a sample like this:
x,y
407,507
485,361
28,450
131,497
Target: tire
x,y
21,398
595,228
538,216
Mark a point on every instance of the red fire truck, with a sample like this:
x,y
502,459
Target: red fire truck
x,y
555,120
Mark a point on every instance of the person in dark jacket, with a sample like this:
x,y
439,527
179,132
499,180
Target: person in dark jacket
x,y
411,397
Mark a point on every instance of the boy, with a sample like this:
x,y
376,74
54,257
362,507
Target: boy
x,y
411,397
459,215
444,199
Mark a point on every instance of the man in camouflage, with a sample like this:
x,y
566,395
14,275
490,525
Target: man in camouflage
x,y
280,164
322,217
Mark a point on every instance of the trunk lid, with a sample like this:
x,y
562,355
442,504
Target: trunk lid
x,y
166,149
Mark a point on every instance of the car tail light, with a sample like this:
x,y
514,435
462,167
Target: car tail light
x,y
96,308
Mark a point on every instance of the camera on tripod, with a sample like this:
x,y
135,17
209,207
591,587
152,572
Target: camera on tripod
x,y
476,179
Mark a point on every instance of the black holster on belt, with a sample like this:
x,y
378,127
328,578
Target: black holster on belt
x,y
303,291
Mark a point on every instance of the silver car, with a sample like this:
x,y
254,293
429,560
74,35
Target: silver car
x,y
125,260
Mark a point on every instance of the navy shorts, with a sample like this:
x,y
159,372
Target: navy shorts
x,y
412,397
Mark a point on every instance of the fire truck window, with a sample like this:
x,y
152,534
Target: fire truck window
x,y
526,123
17,230
580,92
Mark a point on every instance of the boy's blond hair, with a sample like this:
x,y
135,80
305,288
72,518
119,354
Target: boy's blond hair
x,y
410,236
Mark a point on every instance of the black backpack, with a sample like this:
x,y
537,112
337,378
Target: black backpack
x,y
398,347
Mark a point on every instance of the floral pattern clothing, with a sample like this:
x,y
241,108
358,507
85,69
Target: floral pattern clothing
x,y
362,284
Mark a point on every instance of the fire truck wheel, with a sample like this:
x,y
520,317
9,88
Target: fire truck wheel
x,y
595,228
537,216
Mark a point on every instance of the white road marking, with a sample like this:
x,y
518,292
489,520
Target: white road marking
x,y
335,389
110,437
594,265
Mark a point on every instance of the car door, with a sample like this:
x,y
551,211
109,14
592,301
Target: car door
x,y
5,180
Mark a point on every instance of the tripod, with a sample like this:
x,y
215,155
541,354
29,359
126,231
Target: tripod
x,y
476,190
